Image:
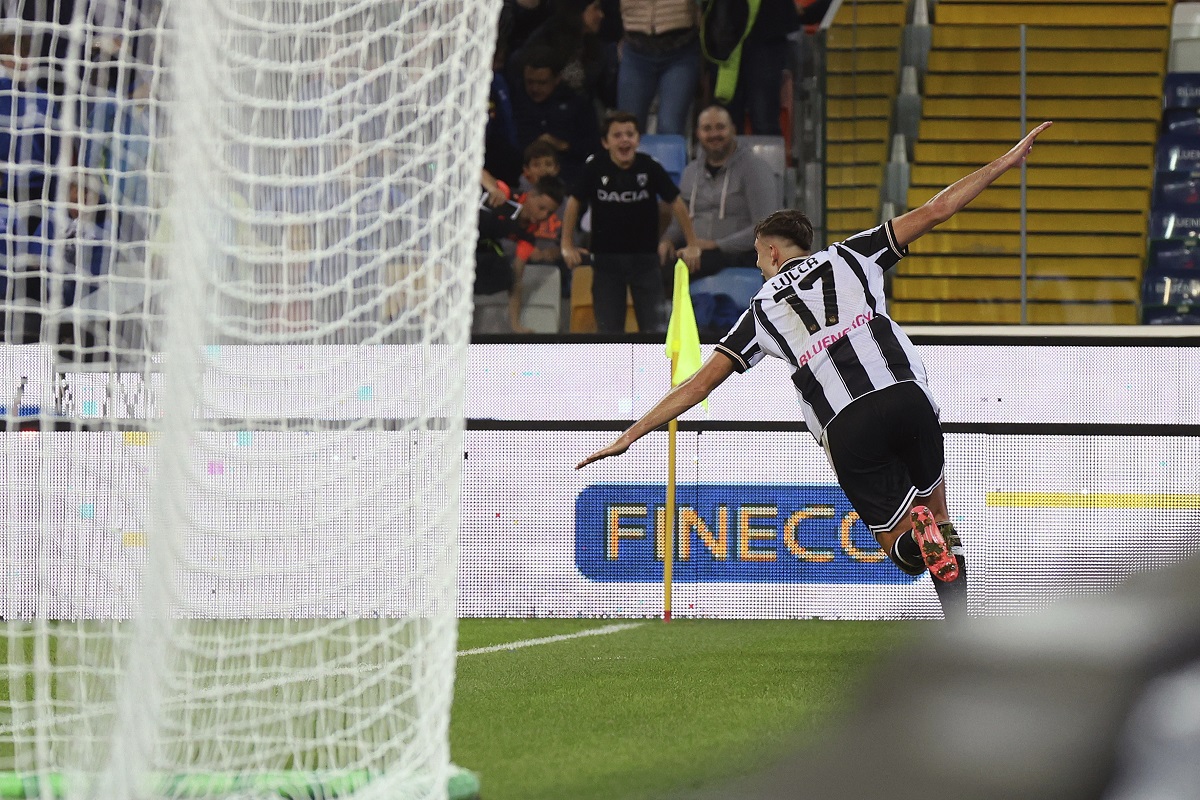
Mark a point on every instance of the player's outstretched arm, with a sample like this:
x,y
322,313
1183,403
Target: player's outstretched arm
x,y
948,202
712,374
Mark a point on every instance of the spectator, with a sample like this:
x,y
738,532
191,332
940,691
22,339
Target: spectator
x,y
29,147
29,142
660,57
502,227
612,27
812,12
519,19
572,33
333,239
541,161
763,58
544,108
64,264
622,187
13,244
495,190
501,158
115,136
727,190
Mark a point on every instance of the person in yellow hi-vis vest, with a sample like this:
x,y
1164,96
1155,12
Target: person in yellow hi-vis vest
x,y
746,45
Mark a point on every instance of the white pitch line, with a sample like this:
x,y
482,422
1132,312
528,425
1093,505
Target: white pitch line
x,y
496,648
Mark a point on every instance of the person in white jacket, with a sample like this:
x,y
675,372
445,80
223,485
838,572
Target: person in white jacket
x,y
727,191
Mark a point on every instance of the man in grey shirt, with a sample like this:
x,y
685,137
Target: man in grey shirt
x,y
727,191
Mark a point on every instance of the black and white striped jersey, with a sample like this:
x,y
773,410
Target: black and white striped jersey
x,y
825,314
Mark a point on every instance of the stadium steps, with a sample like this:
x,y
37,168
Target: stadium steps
x,y
1009,289
1080,13
993,265
1096,69
862,75
1009,313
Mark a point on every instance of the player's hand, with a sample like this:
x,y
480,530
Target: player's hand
x,y
614,449
1021,149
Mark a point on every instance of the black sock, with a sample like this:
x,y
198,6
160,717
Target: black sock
x,y
906,554
953,594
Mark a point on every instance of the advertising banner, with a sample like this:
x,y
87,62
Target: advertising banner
x,y
1066,472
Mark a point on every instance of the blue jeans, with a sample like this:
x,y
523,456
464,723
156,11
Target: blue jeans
x,y
672,76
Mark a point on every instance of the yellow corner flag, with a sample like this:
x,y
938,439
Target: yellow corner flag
x,y
683,348
683,338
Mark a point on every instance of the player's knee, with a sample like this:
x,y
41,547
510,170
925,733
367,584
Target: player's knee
x,y
905,566
906,554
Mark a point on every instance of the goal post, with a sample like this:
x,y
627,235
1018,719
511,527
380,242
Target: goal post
x,y
238,256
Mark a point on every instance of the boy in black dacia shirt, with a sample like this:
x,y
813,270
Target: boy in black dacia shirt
x,y
622,187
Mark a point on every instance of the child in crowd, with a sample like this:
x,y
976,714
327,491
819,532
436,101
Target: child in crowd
x,y
510,227
541,161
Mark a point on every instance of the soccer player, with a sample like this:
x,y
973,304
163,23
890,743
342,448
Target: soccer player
x,y
860,381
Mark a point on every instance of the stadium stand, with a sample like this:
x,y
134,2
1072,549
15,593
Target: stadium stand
x,y
720,299
862,65
1096,69
1185,38
1171,284
773,150
668,149
540,307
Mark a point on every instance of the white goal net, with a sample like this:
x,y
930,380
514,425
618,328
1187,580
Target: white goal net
x,y
238,248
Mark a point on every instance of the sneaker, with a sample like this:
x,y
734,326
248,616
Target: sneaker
x,y
934,548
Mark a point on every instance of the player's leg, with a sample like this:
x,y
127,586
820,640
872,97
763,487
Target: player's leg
x,y
934,545
886,448
952,593
874,479
936,538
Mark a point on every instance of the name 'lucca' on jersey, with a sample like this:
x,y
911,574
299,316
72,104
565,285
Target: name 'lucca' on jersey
x,y
825,314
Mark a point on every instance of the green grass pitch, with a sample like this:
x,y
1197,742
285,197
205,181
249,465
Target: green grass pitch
x,y
645,712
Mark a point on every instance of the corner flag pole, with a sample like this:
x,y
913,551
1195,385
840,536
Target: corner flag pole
x,y
683,348
669,544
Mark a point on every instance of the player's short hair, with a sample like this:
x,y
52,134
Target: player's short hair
x,y
552,187
539,148
788,223
616,118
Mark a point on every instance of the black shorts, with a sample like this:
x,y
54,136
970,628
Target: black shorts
x,y
886,448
